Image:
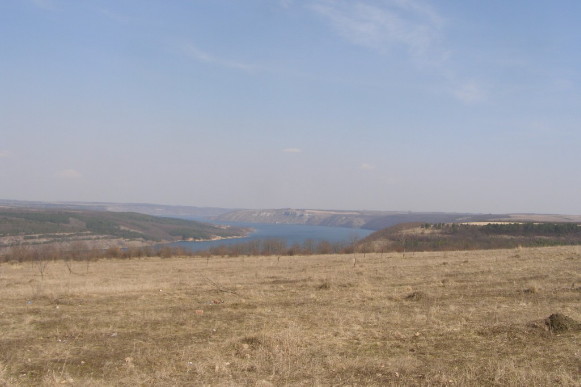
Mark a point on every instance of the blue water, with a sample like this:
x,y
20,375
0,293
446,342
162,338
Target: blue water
x,y
291,233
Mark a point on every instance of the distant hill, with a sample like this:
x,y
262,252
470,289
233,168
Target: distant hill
x,y
372,220
353,219
32,226
471,236
142,208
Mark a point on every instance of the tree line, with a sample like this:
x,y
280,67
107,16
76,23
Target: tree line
x,y
80,251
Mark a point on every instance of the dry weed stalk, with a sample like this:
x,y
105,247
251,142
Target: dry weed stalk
x,y
221,288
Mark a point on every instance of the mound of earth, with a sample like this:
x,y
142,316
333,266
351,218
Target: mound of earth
x,y
558,323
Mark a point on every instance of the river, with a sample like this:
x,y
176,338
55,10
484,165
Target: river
x,y
291,233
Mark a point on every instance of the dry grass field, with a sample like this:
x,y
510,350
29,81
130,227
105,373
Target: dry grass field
x,y
438,319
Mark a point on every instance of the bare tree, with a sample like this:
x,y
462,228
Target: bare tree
x,y
403,243
41,257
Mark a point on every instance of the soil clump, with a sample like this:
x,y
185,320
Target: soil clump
x,y
558,323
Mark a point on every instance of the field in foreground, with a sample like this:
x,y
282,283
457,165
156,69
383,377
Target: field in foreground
x,y
450,318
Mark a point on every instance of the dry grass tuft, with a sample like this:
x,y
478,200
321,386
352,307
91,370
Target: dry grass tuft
x,y
417,296
312,320
533,289
5,378
325,285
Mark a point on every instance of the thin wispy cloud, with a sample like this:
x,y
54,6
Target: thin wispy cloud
x,y
470,92
5,154
286,3
382,26
366,167
204,57
114,16
563,84
44,4
395,25
69,174
292,150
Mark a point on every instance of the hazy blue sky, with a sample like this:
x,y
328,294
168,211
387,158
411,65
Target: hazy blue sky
x,y
374,104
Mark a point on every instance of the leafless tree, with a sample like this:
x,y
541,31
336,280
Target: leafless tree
x,y
41,257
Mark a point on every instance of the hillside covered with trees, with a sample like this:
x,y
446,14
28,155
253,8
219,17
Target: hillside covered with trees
x,y
35,226
471,236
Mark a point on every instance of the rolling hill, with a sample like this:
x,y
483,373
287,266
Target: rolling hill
x,y
471,236
372,220
376,220
141,208
33,226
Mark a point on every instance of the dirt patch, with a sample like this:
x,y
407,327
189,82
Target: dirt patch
x,y
558,323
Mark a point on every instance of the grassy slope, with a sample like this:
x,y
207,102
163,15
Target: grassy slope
x,y
114,224
450,318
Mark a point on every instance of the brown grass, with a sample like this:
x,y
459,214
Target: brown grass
x,y
453,318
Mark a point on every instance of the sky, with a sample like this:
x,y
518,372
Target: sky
x,y
401,105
